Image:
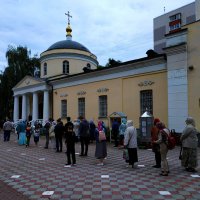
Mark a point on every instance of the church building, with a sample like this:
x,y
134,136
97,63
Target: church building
x,y
71,84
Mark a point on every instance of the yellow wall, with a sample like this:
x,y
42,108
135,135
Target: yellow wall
x,y
75,65
55,67
123,96
194,75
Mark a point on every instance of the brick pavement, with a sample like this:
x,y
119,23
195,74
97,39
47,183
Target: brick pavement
x,y
38,170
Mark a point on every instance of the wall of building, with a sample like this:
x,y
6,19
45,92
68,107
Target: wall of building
x,y
161,24
123,95
194,74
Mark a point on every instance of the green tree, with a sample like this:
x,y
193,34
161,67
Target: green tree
x,y
112,62
20,64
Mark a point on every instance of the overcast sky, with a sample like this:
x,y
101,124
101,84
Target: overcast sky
x,y
119,29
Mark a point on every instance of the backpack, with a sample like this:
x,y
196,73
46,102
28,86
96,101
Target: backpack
x,y
171,141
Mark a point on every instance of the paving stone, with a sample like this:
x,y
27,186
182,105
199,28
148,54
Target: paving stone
x,y
84,181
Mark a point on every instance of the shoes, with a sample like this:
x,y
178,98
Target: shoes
x,y
100,164
189,169
74,164
45,147
164,174
167,172
156,166
68,165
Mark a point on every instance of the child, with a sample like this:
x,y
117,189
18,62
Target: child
x,y
28,134
36,134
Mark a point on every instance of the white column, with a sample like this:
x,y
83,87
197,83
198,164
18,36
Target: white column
x,y
24,108
28,105
46,105
16,108
35,106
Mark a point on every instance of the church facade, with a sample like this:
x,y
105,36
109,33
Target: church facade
x,y
70,84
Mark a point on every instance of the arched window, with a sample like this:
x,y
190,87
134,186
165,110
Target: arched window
x,y
65,67
45,69
88,66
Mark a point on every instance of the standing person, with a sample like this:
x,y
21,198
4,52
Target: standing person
x,y
101,149
69,124
28,134
46,131
21,129
7,128
130,142
76,128
122,129
70,144
189,141
162,141
115,131
156,147
59,131
36,133
92,130
52,134
84,136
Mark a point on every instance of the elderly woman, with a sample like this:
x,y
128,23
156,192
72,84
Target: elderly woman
x,y
162,141
130,141
189,143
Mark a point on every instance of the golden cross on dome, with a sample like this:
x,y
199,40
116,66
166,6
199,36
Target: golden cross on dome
x,y
68,17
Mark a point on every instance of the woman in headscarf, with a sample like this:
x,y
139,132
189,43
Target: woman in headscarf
x,y
101,149
21,129
162,141
130,142
189,141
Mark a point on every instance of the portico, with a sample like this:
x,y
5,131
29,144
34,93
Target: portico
x,y
31,99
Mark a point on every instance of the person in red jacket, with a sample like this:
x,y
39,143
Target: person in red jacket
x,y
156,147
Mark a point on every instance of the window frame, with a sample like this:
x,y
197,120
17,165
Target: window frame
x,y
45,69
63,108
81,106
103,106
65,67
146,101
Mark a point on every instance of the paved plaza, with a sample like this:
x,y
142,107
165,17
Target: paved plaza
x,y
38,173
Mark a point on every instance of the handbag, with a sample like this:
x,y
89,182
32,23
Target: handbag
x,y
125,154
102,136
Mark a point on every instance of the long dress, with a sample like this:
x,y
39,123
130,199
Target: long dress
x,y
21,129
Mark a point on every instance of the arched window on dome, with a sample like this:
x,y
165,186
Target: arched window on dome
x,y
65,67
88,66
45,69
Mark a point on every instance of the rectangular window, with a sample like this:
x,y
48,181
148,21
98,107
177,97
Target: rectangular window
x,y
63,108
175,17
103,106
146,101
81,107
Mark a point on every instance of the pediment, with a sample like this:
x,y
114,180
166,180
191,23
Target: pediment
x,y
28,81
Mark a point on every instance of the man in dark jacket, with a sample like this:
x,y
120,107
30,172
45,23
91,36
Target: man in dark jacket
x,y
84,136
115,131
59,130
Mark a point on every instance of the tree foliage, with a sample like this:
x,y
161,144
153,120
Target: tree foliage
x,y
20,64
112,62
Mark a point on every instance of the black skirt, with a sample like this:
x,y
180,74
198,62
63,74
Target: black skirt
x,y
133,157
101,150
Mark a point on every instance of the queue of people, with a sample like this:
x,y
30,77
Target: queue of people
x,y
125,134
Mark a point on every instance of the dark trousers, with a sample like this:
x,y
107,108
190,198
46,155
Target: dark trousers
x,y
84,145
28,137
71,152
158,158
58,143
6,136
115,135
47,140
